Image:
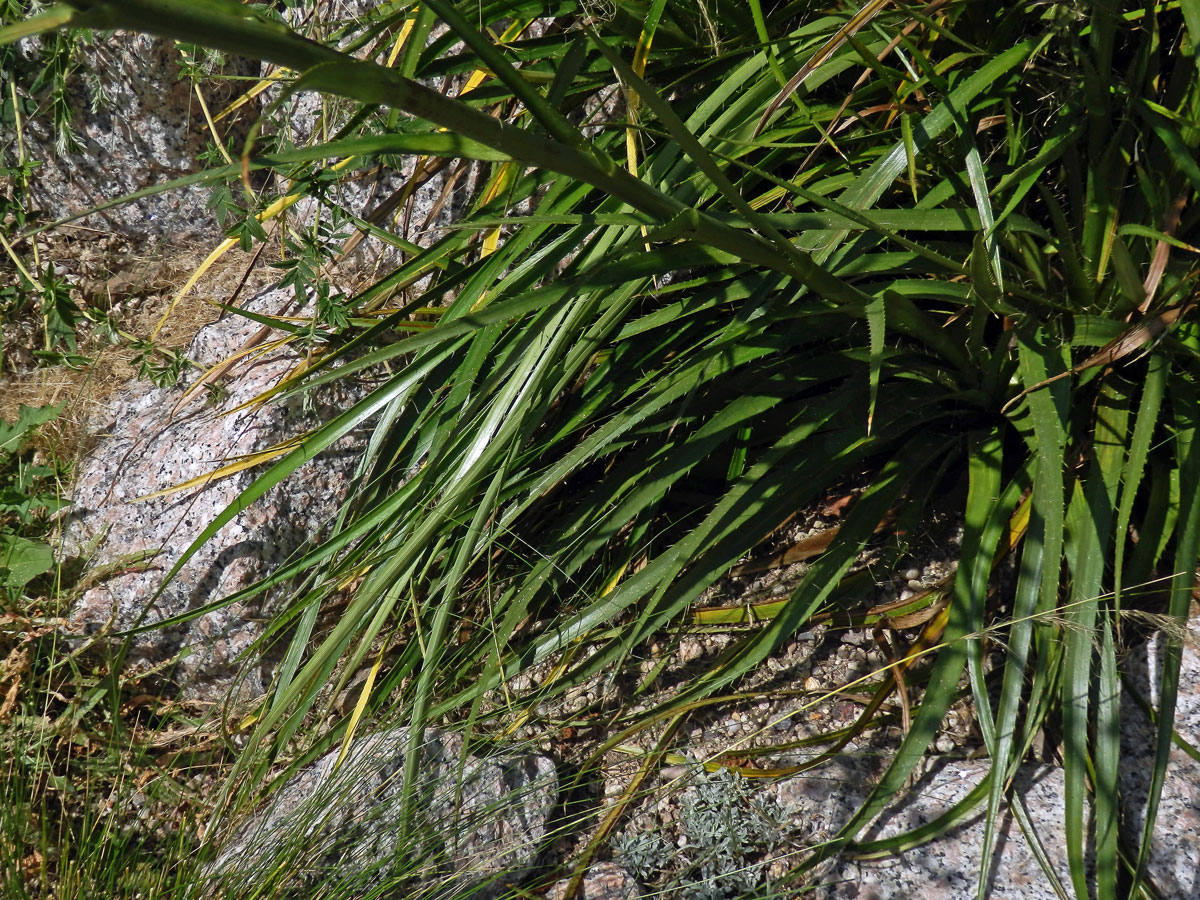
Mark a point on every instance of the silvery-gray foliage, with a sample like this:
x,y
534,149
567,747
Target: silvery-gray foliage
x,y
729,830
644,853
728,827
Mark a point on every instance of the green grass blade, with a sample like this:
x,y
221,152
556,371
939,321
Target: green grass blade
x,y
1184,405
982,532
1107,764
1090,522
558,126
1148,416
1048,412
876,325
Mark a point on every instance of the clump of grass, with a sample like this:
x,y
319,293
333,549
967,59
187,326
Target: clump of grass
x,y
937,246
101,794
93,798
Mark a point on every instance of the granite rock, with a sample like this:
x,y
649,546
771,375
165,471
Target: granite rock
x,y
148,445
478,825
137,123
603,881
821,801
948,867
1174,864
421,196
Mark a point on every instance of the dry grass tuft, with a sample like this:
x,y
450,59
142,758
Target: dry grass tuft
x,y
134,290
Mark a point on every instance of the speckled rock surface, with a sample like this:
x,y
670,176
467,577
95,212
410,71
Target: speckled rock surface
x,y
948,868
306,117
604,881
479,823
812,807
1174,863
148,446
415,201
820,802
147,127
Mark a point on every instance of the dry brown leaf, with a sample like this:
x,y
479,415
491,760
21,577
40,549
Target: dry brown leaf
x,y
818,59
1147,330
1162,250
